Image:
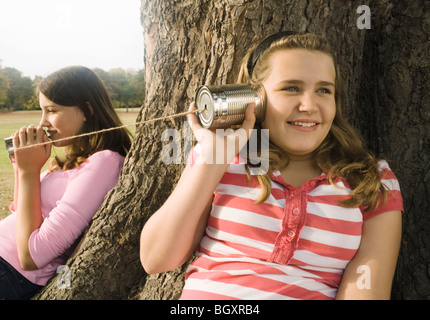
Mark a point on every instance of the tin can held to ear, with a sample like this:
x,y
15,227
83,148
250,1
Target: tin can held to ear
x,y
225,105
9,148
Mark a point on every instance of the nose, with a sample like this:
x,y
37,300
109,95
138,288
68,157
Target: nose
x,y
307,103
44,121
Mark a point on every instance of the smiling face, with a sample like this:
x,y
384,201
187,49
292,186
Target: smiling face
x,y
60,121
300,88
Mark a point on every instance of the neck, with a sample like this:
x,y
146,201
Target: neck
x,y
300,170
301,160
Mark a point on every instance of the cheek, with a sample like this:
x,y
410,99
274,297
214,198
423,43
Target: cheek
x,y
329,112
76,120
67,126
273,114
268,122
329,118
54,121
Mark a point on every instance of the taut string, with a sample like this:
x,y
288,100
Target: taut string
x,y
110,129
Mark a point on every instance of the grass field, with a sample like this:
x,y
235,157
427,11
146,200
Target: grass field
x,y
9,123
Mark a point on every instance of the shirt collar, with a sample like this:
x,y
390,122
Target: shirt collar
x,y
308,185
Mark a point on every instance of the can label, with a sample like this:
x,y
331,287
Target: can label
x,y
225,105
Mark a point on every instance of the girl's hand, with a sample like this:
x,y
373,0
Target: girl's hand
x,y
222,146
31,159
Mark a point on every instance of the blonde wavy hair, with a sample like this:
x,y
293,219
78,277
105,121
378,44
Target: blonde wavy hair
x,y
342,153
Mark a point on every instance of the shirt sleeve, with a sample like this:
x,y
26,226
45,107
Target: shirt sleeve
x,y
86,188
394,200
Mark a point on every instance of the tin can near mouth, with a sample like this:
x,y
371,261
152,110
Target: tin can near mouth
x,y
9,147
225,105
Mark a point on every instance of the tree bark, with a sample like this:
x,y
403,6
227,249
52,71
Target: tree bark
x,y
397,73
192,42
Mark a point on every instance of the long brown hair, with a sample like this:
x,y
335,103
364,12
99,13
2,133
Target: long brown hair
x,y
342,153
81,87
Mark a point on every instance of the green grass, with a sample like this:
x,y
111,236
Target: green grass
x,y
13,121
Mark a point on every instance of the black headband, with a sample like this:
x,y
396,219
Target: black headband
x,y
263,46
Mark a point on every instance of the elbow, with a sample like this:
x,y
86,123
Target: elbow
x,y
153,264
28,267
150,265
150,268
149,256
157,256
156,265
27,264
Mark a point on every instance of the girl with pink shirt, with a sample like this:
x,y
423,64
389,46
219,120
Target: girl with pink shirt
x,y
324,222
51,210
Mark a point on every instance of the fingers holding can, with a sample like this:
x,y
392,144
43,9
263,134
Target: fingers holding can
x,y
25,137
192,117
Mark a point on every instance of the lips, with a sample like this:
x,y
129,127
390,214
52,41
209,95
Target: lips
x,y
303,124
306,125
50,133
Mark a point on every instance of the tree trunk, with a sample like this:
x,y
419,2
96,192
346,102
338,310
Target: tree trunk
x,y
192,42
397,73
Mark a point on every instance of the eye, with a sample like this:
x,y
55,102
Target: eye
x,y
324,90
291,89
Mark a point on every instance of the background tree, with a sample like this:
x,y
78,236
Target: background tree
x,y
126,88
137,82
20,89
188,43
105,76
4,87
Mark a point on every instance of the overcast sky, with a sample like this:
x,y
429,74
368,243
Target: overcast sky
x,y
38,37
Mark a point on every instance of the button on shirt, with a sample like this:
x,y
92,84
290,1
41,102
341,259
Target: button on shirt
x,y
295,245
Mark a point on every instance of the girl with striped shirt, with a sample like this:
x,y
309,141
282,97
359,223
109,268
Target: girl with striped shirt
x,y
324,221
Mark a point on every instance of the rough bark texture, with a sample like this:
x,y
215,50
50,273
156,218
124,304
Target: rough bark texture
x,y
397,64
192,42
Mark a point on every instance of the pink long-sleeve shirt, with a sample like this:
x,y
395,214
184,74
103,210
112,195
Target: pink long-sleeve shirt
x,y
69,201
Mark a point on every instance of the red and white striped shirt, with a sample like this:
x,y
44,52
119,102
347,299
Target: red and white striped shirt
x,y
295,245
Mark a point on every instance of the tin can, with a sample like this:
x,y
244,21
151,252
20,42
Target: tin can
x,y
9,148
225,105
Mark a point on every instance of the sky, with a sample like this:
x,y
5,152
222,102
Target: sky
x,y
38,37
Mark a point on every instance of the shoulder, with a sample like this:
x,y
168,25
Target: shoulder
x,y
394,199
100,169
103,160
388,178
383,165
106,155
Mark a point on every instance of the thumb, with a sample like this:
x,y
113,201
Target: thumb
x,y
192,118
249,122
